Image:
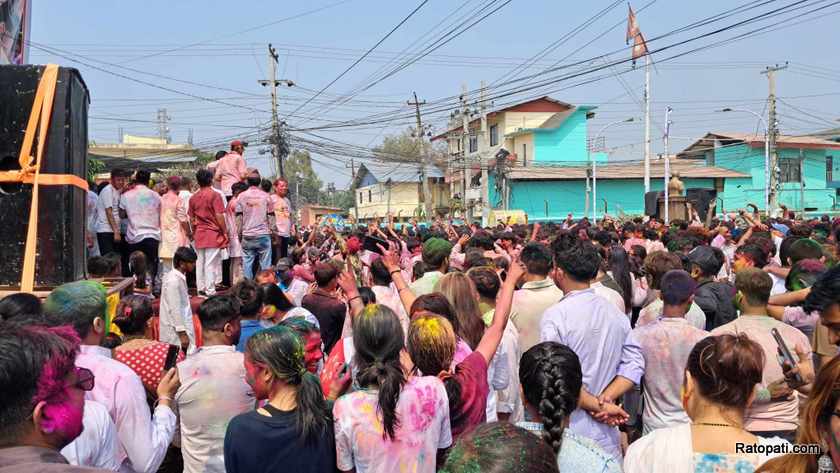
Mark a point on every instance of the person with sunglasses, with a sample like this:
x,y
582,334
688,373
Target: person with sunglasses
x,y
42,402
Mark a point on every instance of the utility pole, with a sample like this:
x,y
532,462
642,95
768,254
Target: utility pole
x,y
484,147
465,140
647,123
353,190
277,152
163,130
667,161
773,132
427,200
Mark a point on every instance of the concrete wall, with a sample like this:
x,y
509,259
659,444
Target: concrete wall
x,y
565,143
404,199
564,196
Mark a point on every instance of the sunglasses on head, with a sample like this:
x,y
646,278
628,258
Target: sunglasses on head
x,y
84,379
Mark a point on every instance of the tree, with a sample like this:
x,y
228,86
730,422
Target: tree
x,y
406,148
302,178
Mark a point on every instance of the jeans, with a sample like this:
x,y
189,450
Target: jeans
x,y
256,248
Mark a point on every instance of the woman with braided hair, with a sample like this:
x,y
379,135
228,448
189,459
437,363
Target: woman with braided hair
x,y
551,380
293,431
392,422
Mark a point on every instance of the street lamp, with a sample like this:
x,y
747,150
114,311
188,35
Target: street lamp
x,y
594,164
766,154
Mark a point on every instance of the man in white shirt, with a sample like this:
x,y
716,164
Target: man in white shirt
x,y
176,323
143,438
97,446
141,207
107,225
213,388
538,293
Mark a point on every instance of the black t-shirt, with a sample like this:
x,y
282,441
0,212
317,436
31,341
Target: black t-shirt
x,y
330,313
256,443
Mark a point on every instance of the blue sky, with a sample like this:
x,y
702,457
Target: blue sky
x,y
315,48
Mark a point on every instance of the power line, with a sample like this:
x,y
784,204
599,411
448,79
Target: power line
x,y
416,9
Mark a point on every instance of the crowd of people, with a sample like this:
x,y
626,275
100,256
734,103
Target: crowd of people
x,y
575,346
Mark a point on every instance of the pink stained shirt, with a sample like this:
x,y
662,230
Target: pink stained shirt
x,y
254,204
230,170
282,208
769,415
235,246
172,215
142,207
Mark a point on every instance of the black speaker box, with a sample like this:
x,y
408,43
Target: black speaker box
x,y
651,205
61,248
701,199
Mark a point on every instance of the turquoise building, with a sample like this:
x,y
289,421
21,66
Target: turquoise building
x,y
534,156
808,170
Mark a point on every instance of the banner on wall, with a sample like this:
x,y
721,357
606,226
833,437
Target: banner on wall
x,y
14,31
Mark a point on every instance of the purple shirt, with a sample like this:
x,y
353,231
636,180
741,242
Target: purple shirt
x,y
600,336
254,205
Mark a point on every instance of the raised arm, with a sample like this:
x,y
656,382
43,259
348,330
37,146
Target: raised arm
x,y
392,263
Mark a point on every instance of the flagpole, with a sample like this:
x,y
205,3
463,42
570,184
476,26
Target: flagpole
x,y
667,162
647,123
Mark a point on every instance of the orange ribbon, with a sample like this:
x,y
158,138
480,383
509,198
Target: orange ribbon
x,y
30,168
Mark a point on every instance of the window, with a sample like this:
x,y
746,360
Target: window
x,y
494,135
473,143
791,170
829,172
360,197
524,154
370,196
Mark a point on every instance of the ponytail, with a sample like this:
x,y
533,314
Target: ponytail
x,y
551,379
281,350
378,339
313,414
453,392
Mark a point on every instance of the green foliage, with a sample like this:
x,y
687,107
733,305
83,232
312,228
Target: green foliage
x,y
298,170
407,148
95,166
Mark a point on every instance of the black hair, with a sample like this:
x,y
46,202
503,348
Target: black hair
x,y
204,177
29,352
619,265
784,248
220,154
142,176
217,311
481,240
755,253
805,248
281,350
367,295
580,263
500,447
325,273
266,185
379,273
378,338
273,295
825,292
120,172
184,254
253,180
238,187
551,379
133,311
537,258
99,267
418,270
138,268
18,304
486,281
250,300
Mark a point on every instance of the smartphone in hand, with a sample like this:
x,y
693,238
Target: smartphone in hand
x,y
171,357
787,356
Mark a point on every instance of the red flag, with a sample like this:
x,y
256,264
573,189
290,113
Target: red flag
x,y
633,32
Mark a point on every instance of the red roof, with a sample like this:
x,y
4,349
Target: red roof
x,y
540,105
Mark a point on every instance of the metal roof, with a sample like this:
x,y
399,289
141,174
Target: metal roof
x,y
619,170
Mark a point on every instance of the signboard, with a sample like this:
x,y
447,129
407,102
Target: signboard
x,y
335,220
14,31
